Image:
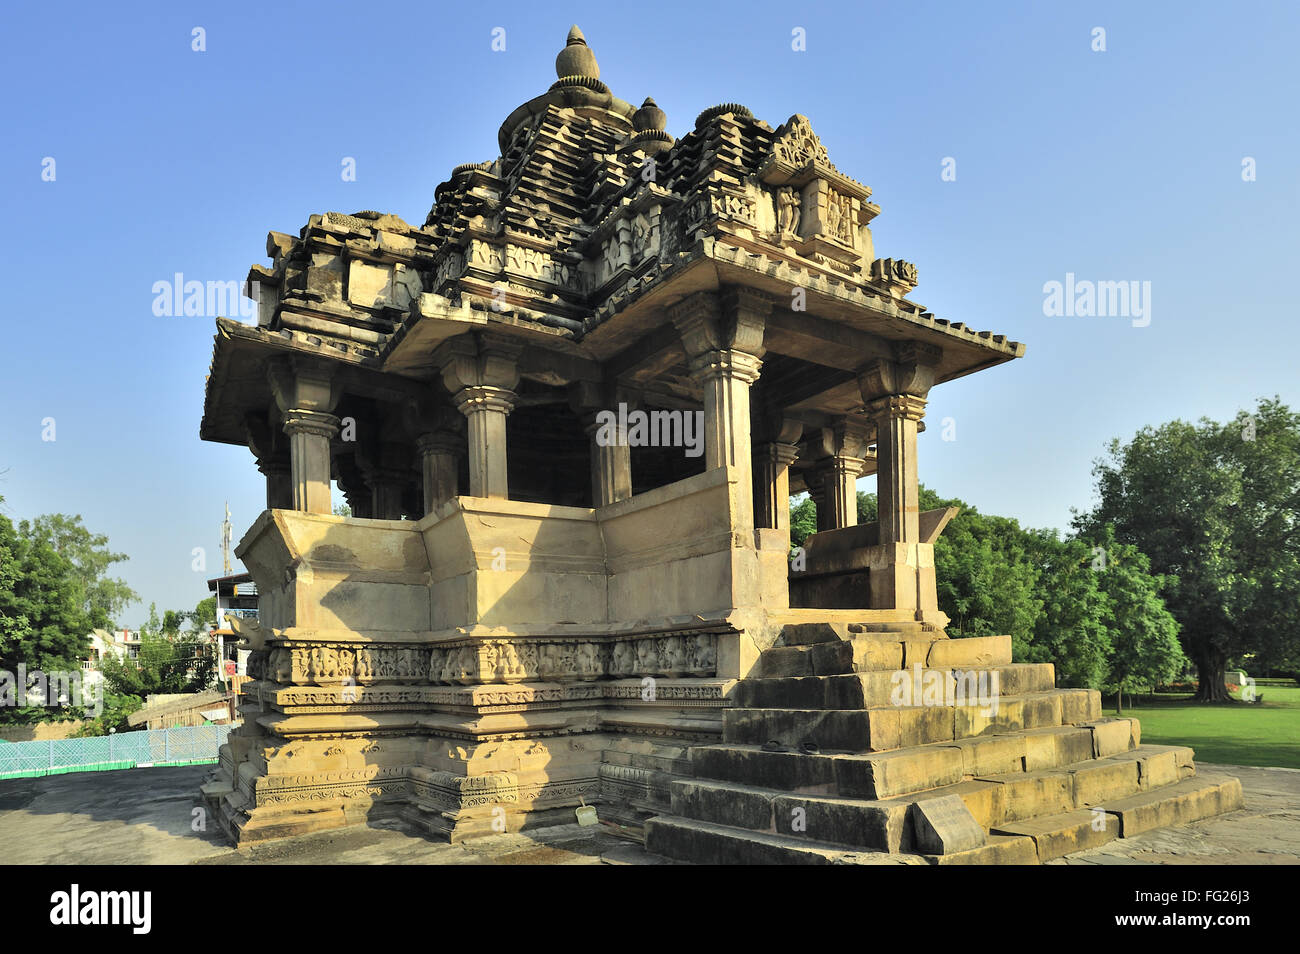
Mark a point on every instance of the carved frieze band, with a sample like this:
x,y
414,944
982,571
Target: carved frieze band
x,y
548,660
485,662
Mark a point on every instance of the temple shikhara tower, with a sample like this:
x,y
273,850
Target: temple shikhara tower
x,y
522,614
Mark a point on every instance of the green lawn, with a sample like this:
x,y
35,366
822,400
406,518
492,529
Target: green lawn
x,y
1237,734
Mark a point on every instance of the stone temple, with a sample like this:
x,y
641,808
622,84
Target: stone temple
x,y
568,412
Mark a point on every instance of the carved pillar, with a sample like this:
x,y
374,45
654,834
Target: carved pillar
x,y
270,446
279,482
387,475
486,409
897,492
772,484
895,392
439,453
305,395
597,406
611,466
481,372
310,433
439,446
836,476
901,567
353,485
723,338
775,449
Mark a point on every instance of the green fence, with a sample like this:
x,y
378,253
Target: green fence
x,y
151,748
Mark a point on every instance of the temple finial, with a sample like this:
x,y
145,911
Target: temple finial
x,y
576,59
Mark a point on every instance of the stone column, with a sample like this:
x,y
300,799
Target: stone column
x,y
772,484
279,482
897,486
611,467
386,466
597,407
486,409
439,445
723,338
310,433
439,454
270,446
901,567
305,394
895,392
775,449
481,371
838,506
836,474
353,485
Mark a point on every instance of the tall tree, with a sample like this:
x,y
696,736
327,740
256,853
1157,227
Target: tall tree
x,y
99,595
42,626
1216,508
1144,634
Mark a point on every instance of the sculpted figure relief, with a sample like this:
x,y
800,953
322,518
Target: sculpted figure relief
x,y
789,210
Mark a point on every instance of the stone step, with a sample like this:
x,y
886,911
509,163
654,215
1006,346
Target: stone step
x,y
998,850
860,690
817,808
997,800
1057,835
873,776
893,727
701,842
810,634
873,651
1098,782
901,771
1161,765
844,821
903,626
818,659
1187,801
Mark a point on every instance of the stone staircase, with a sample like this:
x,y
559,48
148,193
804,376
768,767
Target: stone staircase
x,y
888,743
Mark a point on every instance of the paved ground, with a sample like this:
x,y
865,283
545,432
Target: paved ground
x,y
144,816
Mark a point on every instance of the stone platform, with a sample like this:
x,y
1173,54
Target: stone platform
x,y
865,744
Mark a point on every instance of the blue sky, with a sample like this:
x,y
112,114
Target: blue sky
x,y
1122,165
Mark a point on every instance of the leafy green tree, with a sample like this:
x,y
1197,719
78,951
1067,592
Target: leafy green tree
x,y
169,662
995,577
1215,507
1073,630
204,615
803,521
100,596
42,624
1144,634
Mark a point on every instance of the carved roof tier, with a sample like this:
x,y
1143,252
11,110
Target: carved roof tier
x,y
588,225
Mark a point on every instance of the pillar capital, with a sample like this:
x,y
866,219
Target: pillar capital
x,y
318,423
912,371
734,365
783,455
478,360
302,384
906,406
733,319
482,397
440,442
